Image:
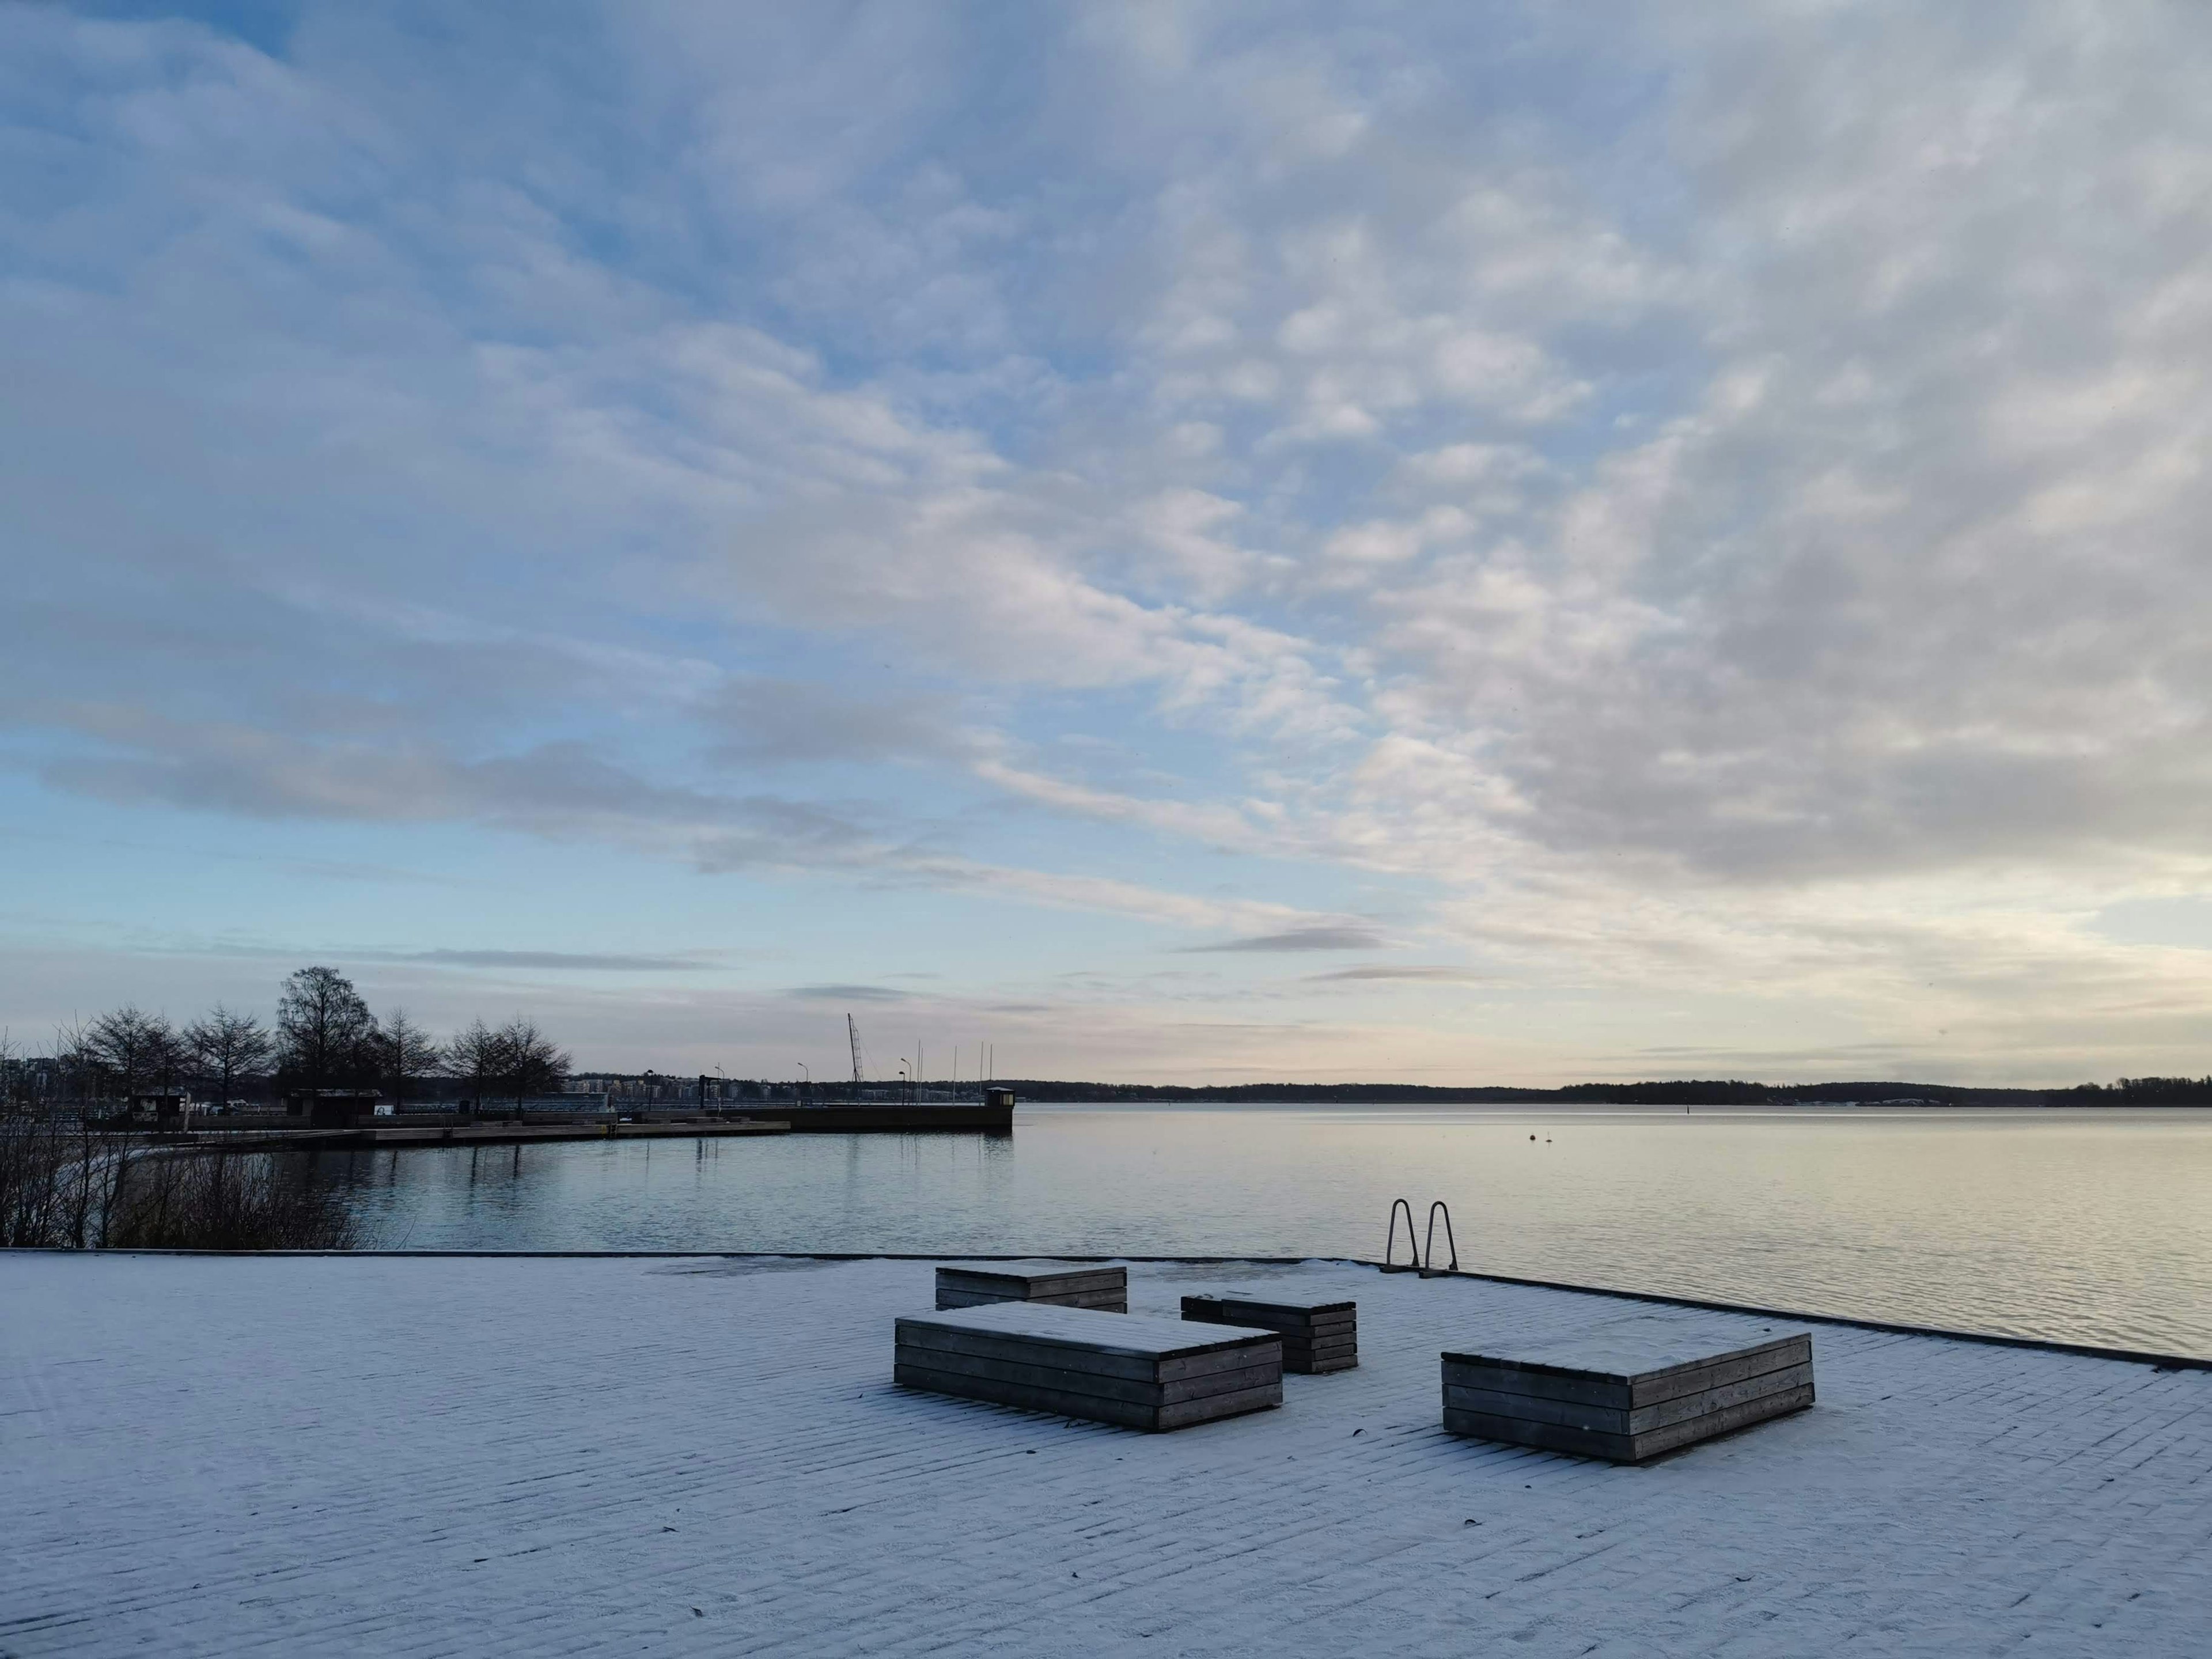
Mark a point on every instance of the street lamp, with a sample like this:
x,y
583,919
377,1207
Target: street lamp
x,y
808,1075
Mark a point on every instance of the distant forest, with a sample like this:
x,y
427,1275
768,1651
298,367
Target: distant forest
x,y
2127,1091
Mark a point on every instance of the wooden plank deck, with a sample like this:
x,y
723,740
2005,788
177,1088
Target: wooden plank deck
x,y
1320,1335
1062,1283
1629,1389
1143,1373
503,1457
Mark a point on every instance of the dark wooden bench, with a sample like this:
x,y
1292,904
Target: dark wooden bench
x,y
1061,1284
1318,1335
1630,1390
1133,1369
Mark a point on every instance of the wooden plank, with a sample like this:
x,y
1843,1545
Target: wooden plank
x,y
1324,1367
1021,1351
1288,1301
1625,1447
1256,1350
1251,1351
1091,1329
1182,1391
1610,1392
1657,1356
1681,1409
1287,1317
1105,1301
1179,1392
1038,1268
1773,1357
1060,1380
1662,1376
1123,1413
1214,1407
1236,1349
948,1297
1613,1419
1016,1351
1713,1423
1025,1283
1529,1408
1547,1436
1628,1394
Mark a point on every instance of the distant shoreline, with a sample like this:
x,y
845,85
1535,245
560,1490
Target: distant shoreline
x,y
2129,1094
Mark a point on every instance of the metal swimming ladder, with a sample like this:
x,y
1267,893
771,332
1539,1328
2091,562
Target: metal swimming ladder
x,y
1390,1242
1430,1270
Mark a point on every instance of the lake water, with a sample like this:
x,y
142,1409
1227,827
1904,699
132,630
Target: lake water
x,y
2088,1227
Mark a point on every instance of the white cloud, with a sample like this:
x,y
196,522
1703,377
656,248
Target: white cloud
x,y
1718,490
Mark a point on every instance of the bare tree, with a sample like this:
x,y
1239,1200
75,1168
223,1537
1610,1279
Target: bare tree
x,y
229,1048
530,1063
327,1033
517,1060
409,1052
138,1049
475,1055
78,1081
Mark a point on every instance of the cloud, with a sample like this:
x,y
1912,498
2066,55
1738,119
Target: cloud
x,y
1410,972
1326,937
760,721
2182,921
1716,495
558,961
849,993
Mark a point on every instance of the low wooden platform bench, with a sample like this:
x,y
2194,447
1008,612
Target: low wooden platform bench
x,y
1318,1334
1134,1369
1060,1284
1628,1390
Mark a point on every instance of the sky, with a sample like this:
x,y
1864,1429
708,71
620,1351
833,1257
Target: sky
x,y
1461,543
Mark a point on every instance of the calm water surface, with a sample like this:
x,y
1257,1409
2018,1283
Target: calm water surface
x,y
2092,1227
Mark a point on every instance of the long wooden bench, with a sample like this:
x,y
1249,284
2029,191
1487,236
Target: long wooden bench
x,y
1060,1284
1133,1369
1319,1334
1629,1390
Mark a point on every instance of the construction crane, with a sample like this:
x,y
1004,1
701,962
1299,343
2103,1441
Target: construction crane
x,y
854,1032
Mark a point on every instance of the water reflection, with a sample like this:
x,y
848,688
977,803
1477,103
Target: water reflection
x,y
2089,1227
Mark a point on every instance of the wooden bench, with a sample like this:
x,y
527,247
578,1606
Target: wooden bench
x,y
1318,1335
1133,1369
1060,1284
1629,1390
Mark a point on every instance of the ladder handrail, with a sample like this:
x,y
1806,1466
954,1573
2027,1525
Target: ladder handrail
x,y
1430,1250
1390,1241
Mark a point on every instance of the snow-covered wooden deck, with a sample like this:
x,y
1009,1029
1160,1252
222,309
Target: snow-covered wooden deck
x,y
491,1456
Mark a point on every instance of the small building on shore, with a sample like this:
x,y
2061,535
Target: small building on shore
x,y
332,1109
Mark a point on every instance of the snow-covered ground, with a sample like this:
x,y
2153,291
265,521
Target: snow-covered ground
x,y
402,1455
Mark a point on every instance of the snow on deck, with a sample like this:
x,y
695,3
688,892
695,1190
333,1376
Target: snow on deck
x,y
491,1456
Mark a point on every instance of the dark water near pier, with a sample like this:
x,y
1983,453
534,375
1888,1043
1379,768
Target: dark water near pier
x,y
2090,1227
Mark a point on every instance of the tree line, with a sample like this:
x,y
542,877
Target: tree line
x,y
325,1037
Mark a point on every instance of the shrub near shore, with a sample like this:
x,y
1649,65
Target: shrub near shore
x,y
68,1186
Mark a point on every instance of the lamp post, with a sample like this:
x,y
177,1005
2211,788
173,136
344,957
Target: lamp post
x,y
808,1075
